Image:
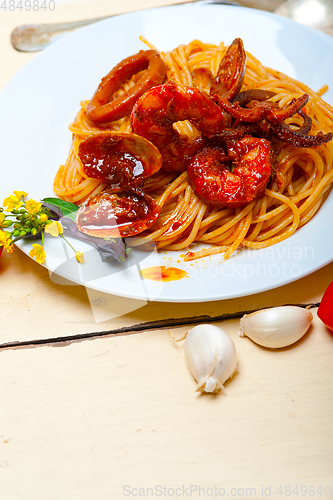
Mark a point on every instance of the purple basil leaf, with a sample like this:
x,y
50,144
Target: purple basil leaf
x,y
114,248
55,212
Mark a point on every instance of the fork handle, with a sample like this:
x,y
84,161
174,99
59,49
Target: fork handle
x,y
34,37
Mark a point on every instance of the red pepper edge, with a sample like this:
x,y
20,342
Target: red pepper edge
x,y
325,309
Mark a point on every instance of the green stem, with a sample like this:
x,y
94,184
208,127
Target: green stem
x,y
68,243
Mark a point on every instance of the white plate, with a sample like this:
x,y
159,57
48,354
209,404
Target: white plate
x,y
42,99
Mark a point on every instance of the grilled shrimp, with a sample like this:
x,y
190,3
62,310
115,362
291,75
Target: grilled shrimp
x,y
219,185
155,112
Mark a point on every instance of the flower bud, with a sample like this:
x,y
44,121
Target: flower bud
x,y
7,223
43,218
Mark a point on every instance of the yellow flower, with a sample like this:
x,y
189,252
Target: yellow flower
x,y
54,229
32,206
2,218
79,257
12,202
43,218
38,253
3,236
20,194
6,241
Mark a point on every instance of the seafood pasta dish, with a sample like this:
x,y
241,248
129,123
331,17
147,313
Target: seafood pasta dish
x,y
200,144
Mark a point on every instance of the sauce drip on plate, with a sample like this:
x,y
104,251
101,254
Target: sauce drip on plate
x,y
162,273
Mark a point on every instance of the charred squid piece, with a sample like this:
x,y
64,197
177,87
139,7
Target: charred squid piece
x,y
263,128
307,124
285,133
119,158
252,115
244,97
263,110
109,215
295,105
300,138
232,134
230,75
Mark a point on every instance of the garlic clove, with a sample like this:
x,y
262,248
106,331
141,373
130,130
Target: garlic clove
x,y
211,357
277,326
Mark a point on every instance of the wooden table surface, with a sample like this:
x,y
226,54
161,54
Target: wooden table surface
x,y
96,401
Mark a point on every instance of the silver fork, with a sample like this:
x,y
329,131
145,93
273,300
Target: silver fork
x,y
34,37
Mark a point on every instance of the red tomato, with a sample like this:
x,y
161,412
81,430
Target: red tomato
x,y
1,248
325,310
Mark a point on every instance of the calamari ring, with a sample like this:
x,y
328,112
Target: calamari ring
x,y
100,109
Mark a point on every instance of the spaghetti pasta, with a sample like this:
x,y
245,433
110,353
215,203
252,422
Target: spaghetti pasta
x,y
303,176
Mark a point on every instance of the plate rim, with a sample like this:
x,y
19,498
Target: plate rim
x,y
195,6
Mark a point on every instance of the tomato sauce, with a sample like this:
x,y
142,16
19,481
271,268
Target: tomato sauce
x,y
162,273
